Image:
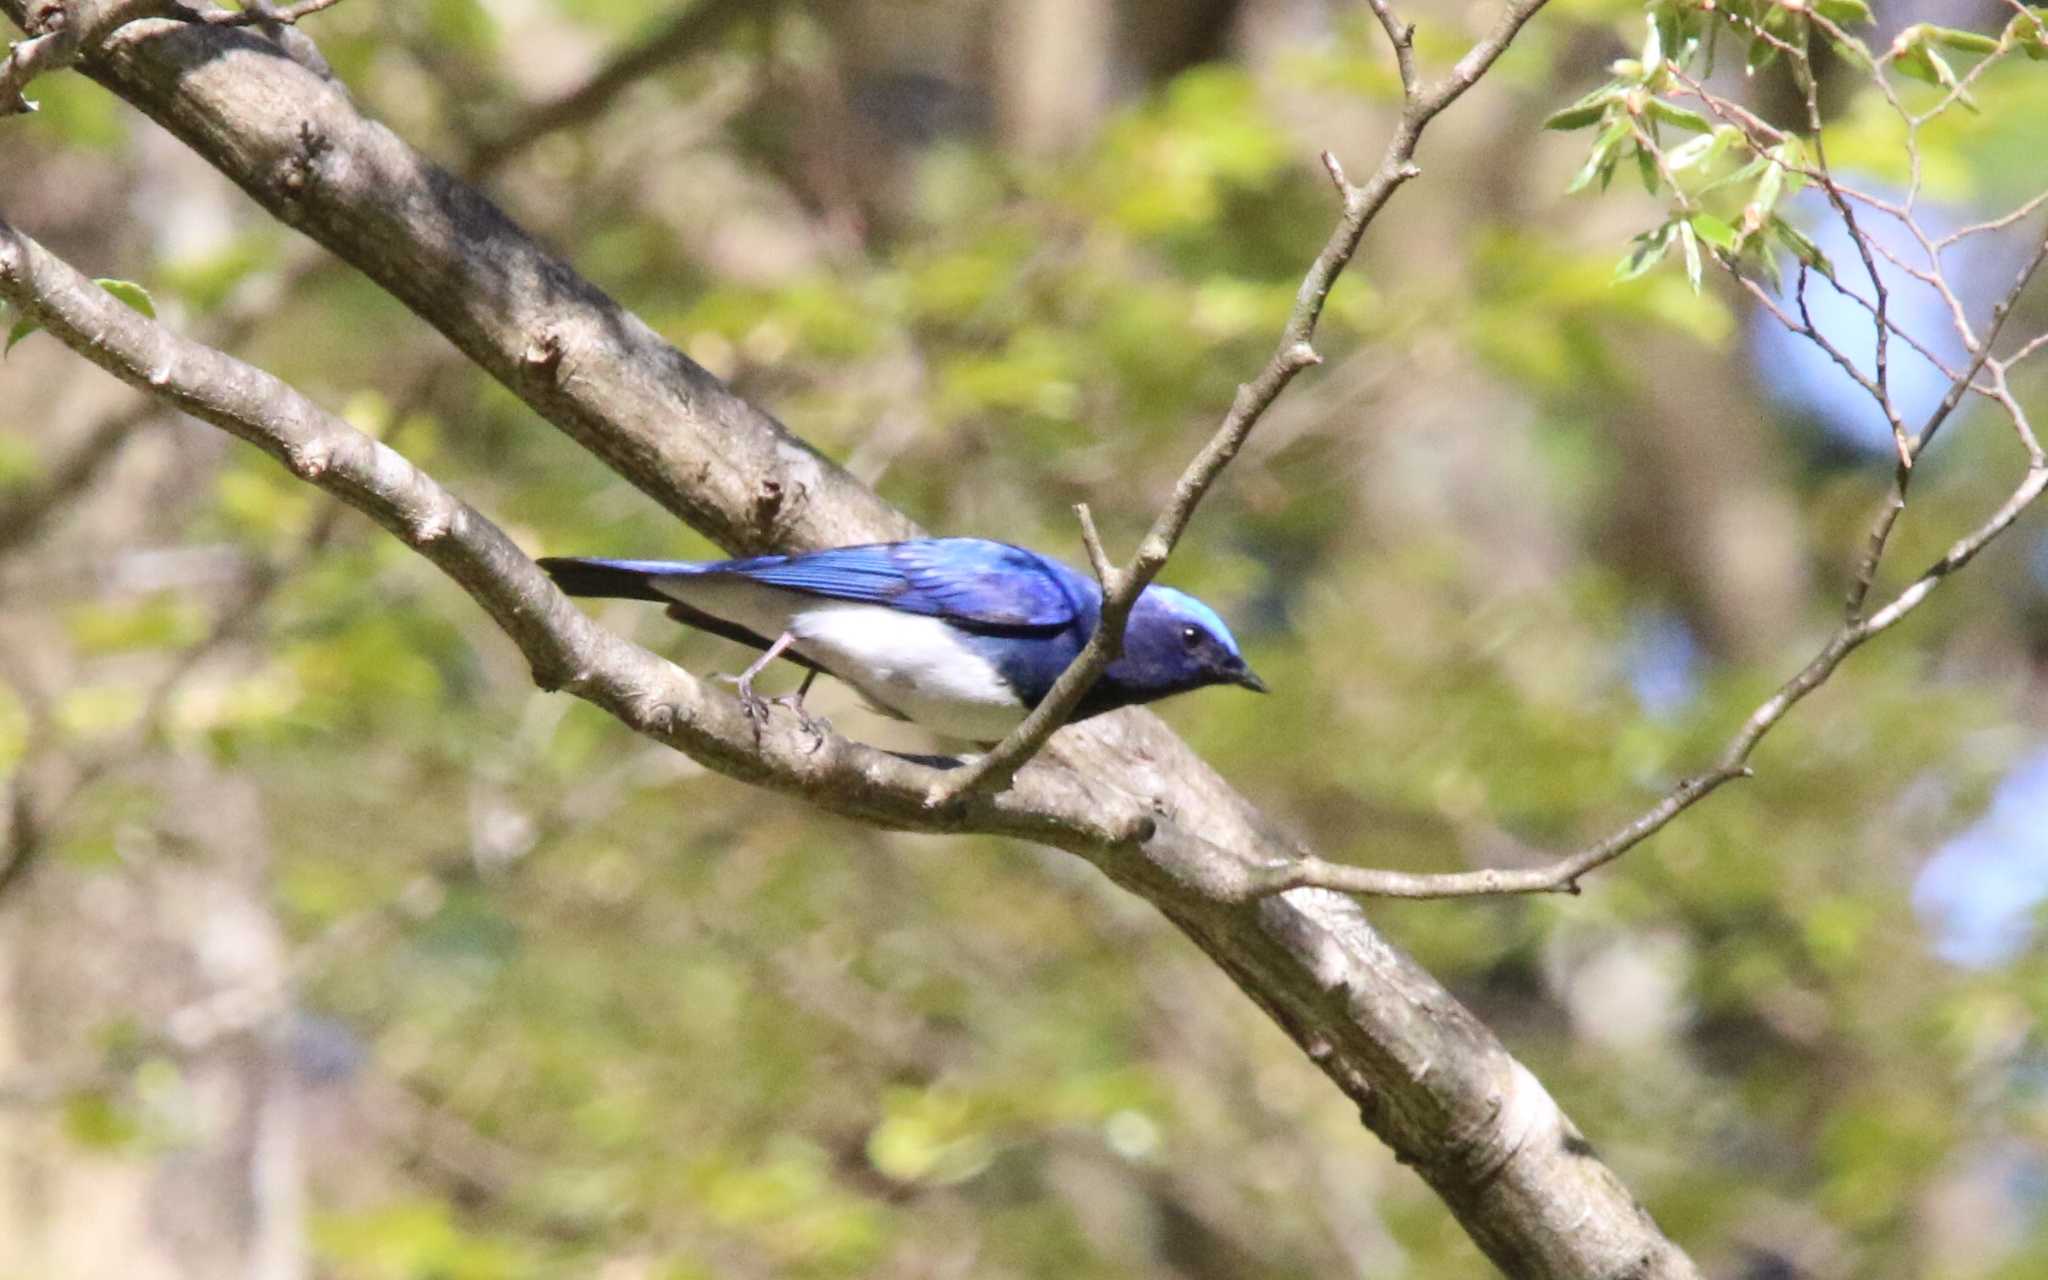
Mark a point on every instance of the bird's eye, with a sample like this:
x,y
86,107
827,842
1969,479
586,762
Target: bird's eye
x,y
1191,636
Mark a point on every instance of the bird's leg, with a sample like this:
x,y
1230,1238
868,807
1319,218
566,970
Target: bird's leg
x,y
795,701
816,726
750,701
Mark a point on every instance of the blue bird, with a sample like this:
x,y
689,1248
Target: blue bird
x,y
961,635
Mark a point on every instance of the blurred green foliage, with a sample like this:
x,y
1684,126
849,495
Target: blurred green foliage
x,y
661,1023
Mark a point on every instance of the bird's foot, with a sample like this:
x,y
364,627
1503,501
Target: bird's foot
x,y
751,703
817,726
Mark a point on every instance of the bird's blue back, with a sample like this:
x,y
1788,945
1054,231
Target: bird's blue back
x,y
974,583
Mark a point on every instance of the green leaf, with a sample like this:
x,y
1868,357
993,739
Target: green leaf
x,y
1737,176
1672,114
22,328
1649,247
1597,99
131,293
127,291
1690,243
1767,263
1768,188
1646,169
1689,153
2030,34
1904,45
1914,55
1800,246
1843,12
1669,41
1974,42
1601,162
1792,161
1576,117
1854,52
1714,231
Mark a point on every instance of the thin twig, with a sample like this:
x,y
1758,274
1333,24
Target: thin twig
x,y
682,35
2029,347
1895,503
1361,204
23,516
1563,874
1401,35
1995,224
65,33
1880,385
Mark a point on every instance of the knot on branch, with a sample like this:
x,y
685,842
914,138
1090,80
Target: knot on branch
x,y
767,505
431,526
298,170
544,354
1138,831
309,461
557,675
46,17
948,797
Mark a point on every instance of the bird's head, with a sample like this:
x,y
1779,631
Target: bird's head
x,y
1174,643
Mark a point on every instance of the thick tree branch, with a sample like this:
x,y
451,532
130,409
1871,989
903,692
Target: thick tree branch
x,y
1120,789
566,649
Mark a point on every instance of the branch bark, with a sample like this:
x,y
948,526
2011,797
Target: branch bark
x,y
1121,791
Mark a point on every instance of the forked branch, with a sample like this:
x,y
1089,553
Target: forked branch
x,y
1295,352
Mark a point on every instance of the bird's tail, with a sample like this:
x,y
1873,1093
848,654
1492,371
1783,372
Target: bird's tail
x,y
614,579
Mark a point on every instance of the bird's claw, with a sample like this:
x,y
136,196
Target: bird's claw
x,y
757,709
817,726
750,702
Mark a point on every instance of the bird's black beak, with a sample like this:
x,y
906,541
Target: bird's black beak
x,y
1250,680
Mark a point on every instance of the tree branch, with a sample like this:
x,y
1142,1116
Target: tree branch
x,y
1563,874
1428,1077
1120,790
679,36
1361,204
58,35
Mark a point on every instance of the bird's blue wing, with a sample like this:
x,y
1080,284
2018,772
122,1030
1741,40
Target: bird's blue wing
x,y
970,582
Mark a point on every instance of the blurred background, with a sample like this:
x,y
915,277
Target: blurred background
x,y
329,948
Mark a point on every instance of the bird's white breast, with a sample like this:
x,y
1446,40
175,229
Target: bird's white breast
x,y
919,667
